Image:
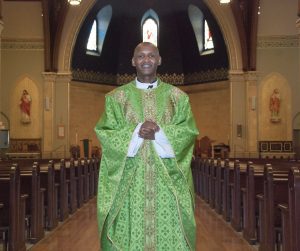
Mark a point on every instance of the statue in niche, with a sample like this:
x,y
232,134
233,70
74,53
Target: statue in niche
x,y
274,106
25,105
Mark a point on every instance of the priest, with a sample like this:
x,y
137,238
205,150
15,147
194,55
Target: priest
x,y
145,193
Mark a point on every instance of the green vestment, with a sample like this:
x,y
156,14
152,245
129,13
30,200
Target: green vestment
x,y
146,202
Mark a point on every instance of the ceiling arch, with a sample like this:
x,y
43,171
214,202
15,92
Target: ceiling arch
x,y
75,19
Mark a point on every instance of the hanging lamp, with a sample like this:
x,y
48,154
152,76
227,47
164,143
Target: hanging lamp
x,y
224,1
74,2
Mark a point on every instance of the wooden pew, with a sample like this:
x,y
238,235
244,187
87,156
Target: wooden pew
x,y
219,170
3,229
294,207
254,187
91,178
13,212
240,188
70,175
96,176
253,193
86,179
206,167
60,178
290,220
237,202
211,182
196,174
79,184
47,179
201,177
285,224
227,182
30,185
269,217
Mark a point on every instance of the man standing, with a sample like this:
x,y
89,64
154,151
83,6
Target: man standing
x,y
147,132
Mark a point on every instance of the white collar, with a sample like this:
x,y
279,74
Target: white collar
x,y
145,86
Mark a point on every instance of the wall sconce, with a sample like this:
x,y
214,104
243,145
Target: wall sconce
x,y
47,103
253,103
74,2
239,130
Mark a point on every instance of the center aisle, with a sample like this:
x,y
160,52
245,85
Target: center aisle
x,y
79,232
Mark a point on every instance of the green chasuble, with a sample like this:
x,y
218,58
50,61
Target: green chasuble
x,y
146,202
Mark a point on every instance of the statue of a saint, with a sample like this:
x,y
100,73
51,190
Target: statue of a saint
x,y
274,105
25,105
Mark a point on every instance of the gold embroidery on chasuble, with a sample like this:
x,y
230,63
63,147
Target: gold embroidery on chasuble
x,y
168,113
149,105
129,112
171,102
177,93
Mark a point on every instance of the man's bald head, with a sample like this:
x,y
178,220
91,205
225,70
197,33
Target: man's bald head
x,y
145,44
146,59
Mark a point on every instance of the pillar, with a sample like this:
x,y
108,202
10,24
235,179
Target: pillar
x,y
237,114
56,115
251,128
243,114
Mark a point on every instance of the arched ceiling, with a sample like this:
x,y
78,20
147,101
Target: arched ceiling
x,y
244,12
177,43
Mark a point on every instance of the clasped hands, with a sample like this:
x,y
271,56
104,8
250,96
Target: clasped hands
x,y
148,130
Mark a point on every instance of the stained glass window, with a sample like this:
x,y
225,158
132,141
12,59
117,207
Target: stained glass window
x,y
208,41
98,31
203,35
92,42
150,31
150,27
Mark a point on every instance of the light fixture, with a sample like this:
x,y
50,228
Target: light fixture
x,y
224,1
74,2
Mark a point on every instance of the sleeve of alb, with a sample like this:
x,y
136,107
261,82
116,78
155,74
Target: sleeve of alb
x,y
135,142
162,145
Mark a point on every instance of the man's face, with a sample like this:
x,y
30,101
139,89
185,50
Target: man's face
x,y
146,58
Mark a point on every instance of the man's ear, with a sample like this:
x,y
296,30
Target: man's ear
x,y
133,63
159,61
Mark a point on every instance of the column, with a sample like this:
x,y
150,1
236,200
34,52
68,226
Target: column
x,y
48,114
244,114
252,114
238,90
56,115
62,115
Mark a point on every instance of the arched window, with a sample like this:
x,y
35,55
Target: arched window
x,y
201,29
208,41
92,42
98,31
150,27
150,31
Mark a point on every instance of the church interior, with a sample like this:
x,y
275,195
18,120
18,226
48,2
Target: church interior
x,y
239,64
